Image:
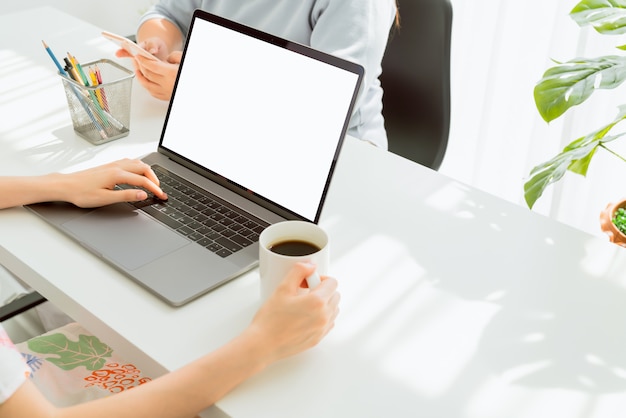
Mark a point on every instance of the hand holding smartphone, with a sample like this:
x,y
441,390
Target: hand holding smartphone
x,y
128,45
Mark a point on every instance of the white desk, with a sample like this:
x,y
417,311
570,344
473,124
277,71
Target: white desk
x,y
455,304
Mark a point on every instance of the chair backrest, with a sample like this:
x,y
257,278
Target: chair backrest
x,y
416,82
20,305
15,296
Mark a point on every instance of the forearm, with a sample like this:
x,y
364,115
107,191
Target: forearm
x,y
17,191
182,393
288,323
195,387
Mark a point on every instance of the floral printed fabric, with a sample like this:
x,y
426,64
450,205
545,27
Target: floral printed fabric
x,y
70,366
13,369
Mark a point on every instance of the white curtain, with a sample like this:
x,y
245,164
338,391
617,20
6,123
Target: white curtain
x,y
500,50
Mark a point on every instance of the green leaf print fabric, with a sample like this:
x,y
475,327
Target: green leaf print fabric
x,y
88,351
70,365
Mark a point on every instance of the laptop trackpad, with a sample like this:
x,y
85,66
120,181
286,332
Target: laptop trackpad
x,y
124,235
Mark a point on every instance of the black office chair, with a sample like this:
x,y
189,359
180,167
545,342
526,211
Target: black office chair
x,y
18,303
21,304
416,82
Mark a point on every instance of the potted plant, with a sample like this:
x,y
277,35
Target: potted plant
x,y
613,222
569,84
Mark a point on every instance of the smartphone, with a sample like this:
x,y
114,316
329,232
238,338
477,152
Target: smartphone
x,y
130,47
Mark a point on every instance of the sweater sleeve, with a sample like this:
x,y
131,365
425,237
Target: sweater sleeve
x,y
176,11
358,31
14,368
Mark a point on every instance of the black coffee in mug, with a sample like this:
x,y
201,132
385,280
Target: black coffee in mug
x,y
294,248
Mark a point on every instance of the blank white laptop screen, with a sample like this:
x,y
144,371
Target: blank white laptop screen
x,y
264,117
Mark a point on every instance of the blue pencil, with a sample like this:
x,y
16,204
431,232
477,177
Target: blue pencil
x,y
80,99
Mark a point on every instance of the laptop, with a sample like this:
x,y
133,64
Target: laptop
x,y
251,137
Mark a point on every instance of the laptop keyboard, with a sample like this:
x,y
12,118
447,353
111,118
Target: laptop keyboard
x,y
200,216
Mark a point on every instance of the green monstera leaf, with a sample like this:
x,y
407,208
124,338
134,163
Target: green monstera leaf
x,y
575,157
606,16
571,83
88,351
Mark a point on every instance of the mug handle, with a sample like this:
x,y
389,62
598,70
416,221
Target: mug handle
x,y
313,280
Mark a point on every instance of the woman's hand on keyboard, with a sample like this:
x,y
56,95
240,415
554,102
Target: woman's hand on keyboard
x,y
96,186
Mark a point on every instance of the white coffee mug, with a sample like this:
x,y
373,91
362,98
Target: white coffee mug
x,y
273,267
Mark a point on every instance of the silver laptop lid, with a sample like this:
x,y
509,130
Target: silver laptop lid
x,y
261,115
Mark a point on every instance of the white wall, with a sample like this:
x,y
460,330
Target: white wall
x,y
118,16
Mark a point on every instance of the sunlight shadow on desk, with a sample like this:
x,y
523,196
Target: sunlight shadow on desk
x,y
35,135
44,139
11,63
23,130
490,330
398,302
68,149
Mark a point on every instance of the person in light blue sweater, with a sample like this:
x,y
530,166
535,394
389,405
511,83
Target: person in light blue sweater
x,y
356,30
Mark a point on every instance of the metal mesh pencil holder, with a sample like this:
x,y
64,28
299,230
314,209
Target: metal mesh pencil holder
x,y
101,113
